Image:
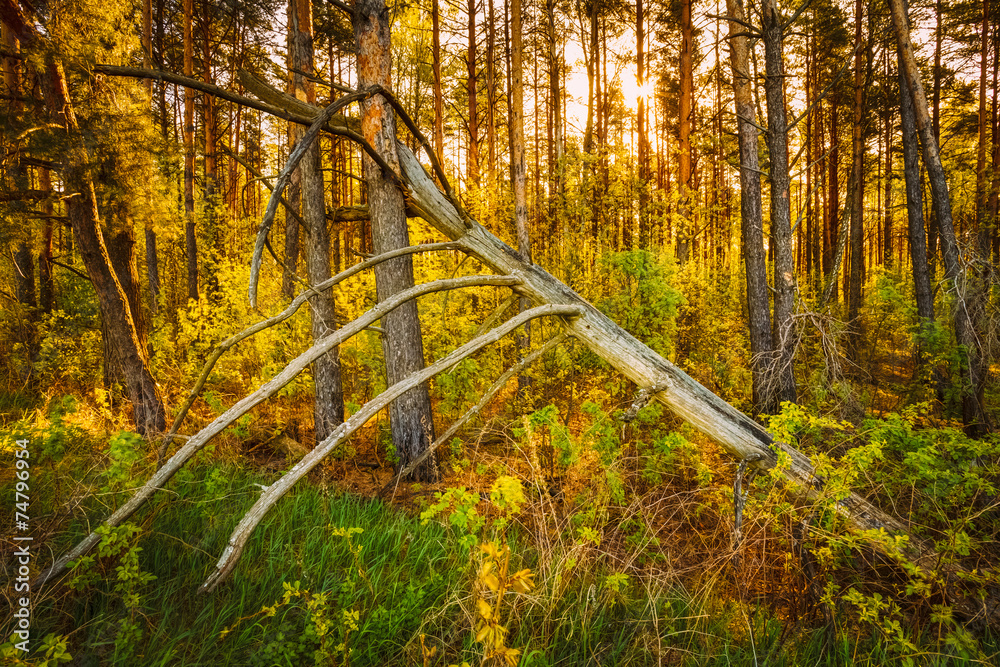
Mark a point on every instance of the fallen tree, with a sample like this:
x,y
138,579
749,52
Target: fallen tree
x,y
657,378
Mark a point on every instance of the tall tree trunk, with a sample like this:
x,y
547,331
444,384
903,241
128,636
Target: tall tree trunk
x,y
191,241
46,289
858,179
685,104
517,164
915,208
410,416
329,403
147,406
555,104
641,142
982,182
831,238
781,216
152,266
765,399
491,100
294,189
471,88
965,331
216,239
438,95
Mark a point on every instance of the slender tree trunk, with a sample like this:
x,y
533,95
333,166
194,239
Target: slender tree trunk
x,y
642,144
215,249
685,105
915,208
887,242
518,175
858,179
491,100
967,307
781,229
191,241
471,88
438,95
410,416
982,187
765,399
46,289
832,240
329,403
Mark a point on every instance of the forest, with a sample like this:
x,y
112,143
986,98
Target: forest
x,y
593,332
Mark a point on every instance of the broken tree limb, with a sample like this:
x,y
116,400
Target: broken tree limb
x,y
737,434
290,310
265,391
279,186
237,542
474,410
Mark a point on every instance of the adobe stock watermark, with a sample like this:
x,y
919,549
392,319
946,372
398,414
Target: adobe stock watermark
x,y
22,540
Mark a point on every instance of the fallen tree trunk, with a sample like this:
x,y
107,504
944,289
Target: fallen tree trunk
x,y
739,435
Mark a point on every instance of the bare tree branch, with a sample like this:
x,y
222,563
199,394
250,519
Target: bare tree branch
x,y
265,391
230,557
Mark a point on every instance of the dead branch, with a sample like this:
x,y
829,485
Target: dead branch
x,y
290,310
265,391
279,186
230,557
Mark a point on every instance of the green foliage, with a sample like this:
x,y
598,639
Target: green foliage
x,y
639,296
51,652
459,505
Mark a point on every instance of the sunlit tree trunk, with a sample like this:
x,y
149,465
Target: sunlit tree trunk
x,y
410,416
752,220
685,104
191,241
216,240
329,403
471,89
438,95
116,313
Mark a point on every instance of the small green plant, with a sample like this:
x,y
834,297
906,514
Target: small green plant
x,y
459,505
51,652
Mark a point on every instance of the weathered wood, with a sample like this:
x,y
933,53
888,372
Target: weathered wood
x,y
739,435
237,542
262,393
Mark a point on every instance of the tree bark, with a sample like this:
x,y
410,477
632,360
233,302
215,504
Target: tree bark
x,y
471,90
857,192
190,238
915,206
765,400
967,305
685,228
329,402
517,164
116,313
410,416
781,216
438,94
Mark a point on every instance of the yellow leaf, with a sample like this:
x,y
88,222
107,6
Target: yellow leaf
x,y
492,582
484,609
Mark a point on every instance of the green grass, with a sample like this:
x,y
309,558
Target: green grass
x,y
408,579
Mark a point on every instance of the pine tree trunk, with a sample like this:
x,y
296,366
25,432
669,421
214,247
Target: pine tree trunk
x,y
765,400
965,330
329,401
191,241
685,229
471,89
915,205
857,194
116,313
410,416
781,217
